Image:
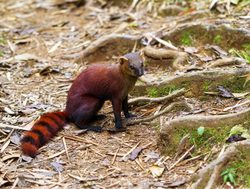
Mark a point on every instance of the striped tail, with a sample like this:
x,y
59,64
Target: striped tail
x,y
42,131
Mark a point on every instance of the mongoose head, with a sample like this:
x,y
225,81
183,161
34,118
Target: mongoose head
x,y
132,64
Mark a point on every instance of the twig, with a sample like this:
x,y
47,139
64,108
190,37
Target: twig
x,y
115,155
15,183
55,155
66,149
79,139
163,42
182,157
139,164
85,180
4,126
100,154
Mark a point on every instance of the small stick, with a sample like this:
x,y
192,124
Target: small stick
x,y
97,152
55,155
66,149
85,180
182,157
112,185
139,164
79,139
15,183
4,126
118,155
163,42
115,155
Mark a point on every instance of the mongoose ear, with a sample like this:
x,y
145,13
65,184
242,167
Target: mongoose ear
x,y
123,60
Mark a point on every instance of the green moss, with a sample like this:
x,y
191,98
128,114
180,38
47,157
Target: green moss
x,y
242,166
204,142
2,40
246,46
241,53
236,84
161,91
210,137
218,39
186,38
133,24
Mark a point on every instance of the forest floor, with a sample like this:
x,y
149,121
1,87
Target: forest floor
x,y
40,42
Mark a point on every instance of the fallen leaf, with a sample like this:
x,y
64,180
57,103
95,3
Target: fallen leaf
x,y
57,166
15,139
9,111
224,92
3,182
156,170
7,157
133,155
190,50
27,158
151,155
48,70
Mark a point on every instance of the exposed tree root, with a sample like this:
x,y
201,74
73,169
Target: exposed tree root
x,y
236,35
196,15
170,10
169,97
195,79
194,121
226,62
169,108
116,40
179,58
208,177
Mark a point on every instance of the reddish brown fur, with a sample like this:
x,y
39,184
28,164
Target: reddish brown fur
x,y
86,96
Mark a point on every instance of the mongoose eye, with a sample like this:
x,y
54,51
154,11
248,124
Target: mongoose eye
x,y
131,66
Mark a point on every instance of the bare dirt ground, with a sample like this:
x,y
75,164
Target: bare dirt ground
x,y
40,43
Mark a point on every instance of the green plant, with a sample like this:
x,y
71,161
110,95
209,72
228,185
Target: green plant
x,y
200,131
161,91
241,53
217,39
2,40
229,175
186,38
153,92
133,24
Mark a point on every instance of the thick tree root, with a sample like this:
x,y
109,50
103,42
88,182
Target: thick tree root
x,y
195,80
226,62
209,31
174,105
169,97
194,121
179,58
208,177
115,40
